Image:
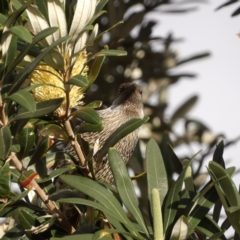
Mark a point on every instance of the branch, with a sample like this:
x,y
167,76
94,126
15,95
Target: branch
x,y
50,205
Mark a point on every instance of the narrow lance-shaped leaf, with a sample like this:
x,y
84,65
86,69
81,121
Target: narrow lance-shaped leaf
x,y
43,34
42,109
26,139
180,229
78,80
125,187
102,195
156,172
172,200
5,179
22,33
120,133
20,78
25,99
5,142
88,114
41,149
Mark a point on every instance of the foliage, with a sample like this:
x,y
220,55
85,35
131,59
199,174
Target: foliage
x,y
49,43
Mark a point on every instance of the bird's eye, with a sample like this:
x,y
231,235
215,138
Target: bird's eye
x,y
121,89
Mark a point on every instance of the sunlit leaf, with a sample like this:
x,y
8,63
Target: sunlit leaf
x,y
156,172
22,33
125,187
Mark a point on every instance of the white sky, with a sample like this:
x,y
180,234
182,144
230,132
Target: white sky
x,y
217,83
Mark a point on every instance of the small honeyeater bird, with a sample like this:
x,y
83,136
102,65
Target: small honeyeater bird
x,y
127,105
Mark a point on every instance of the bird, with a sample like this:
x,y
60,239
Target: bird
x,y
127,105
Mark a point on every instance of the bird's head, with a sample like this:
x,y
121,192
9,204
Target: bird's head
x,y
129,97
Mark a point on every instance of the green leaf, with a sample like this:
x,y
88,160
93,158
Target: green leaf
x,y
56,173
5,180
25,99
5,142
54,131
11,53
26,139
22,33
27,219
120,133
88,127
106,52
40,36
88,115
94,71
42,109
209,227
218,154
173,198
41,149
125,187
78,80
75,237
156,172
183,109
227,192
21,77
95,104
102,195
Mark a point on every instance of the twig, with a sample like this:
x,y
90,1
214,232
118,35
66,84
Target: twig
x,y
74,143
50,205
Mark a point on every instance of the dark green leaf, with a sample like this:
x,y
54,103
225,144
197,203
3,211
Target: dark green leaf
x,y
28,220
156,172
22,33
20,78
42,109
218,154
5,180
26,139
120,133
40,36
88,115
95,104
101,194
125,187
172,200
78,80
41,149
25,99
5,142
88,127
54,131
104,53
75,237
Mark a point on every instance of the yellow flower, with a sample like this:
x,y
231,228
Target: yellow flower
x,y
68,58
45,74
